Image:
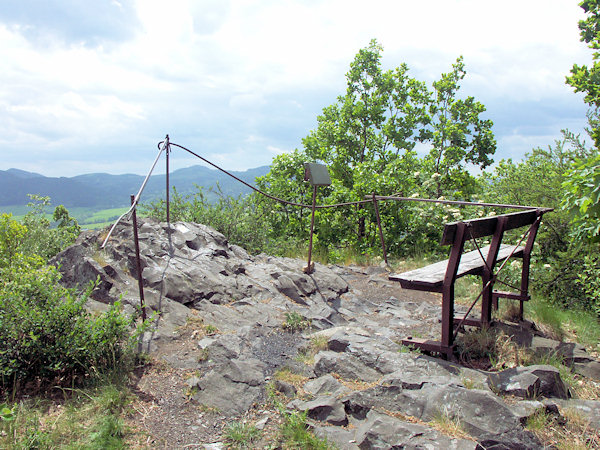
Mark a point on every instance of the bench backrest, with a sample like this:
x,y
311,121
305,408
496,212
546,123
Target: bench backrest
x,y
486,226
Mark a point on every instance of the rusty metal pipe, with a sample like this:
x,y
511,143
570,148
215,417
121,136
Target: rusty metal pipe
x,y
138,259
456,202
376,205
168,150
137,197
310,266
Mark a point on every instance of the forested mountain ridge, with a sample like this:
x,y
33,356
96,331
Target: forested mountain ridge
x,y
102,190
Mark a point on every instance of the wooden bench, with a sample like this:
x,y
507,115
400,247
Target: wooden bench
x,y
441,276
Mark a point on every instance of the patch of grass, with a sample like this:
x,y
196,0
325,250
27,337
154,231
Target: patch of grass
x,y
448,424
571,431
468,382
571,324
295,322
466,289
409,349
476,345
405,265
286,375
210,330
307,355
548,318
355,385
295,434
508,311
208,409
203,354
488,349
90,418
538,422
100,257
241,435
583,388
585,327
196,327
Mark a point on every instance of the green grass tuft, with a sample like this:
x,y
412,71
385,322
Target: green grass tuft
x,y
241,435
295,434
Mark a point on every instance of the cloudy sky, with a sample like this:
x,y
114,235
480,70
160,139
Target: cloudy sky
x,y
93,86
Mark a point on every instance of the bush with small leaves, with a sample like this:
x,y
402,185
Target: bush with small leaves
x,y
47,334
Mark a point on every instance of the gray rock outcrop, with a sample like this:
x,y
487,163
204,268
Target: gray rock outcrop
x,y
362,391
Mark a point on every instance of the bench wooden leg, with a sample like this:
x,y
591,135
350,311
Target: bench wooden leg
x,y
486,300
448,316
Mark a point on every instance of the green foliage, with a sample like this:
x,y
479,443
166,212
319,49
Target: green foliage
x,y
41,238
295,322
367,139
589,281
587,79
561,268
239,219
458,136
538,421
547,318
538,180
582,199
47,335
12,234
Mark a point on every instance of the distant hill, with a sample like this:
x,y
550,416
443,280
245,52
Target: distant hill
x,y
102,190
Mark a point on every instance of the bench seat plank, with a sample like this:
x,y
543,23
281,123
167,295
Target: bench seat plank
x,y
431,278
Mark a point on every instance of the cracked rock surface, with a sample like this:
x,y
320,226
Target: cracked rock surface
x,y
221,343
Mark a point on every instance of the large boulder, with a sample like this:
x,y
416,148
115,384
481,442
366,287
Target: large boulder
x,y
194,266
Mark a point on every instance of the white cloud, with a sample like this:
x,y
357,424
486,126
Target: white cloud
x,y
277,150
242,80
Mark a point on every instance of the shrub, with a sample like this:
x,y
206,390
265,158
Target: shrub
x,y
43,238
589,280
47,335
238,219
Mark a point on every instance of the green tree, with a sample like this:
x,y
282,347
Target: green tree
x,y
42,237
582,197
12,234
367,138
587,79
458,135
582,190
538,180
375,123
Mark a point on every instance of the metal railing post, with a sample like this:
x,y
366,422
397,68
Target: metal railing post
x,y
138,260
376,205
310,267
168,150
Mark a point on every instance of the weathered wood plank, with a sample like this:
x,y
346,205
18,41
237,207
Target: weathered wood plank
x,y
485,226
432,277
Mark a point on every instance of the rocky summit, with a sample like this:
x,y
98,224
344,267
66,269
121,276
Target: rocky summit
x,y
235,331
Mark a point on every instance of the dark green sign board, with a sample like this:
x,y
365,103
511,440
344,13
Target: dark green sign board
x,y
317,174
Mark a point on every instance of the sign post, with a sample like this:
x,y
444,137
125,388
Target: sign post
x,y
317,175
